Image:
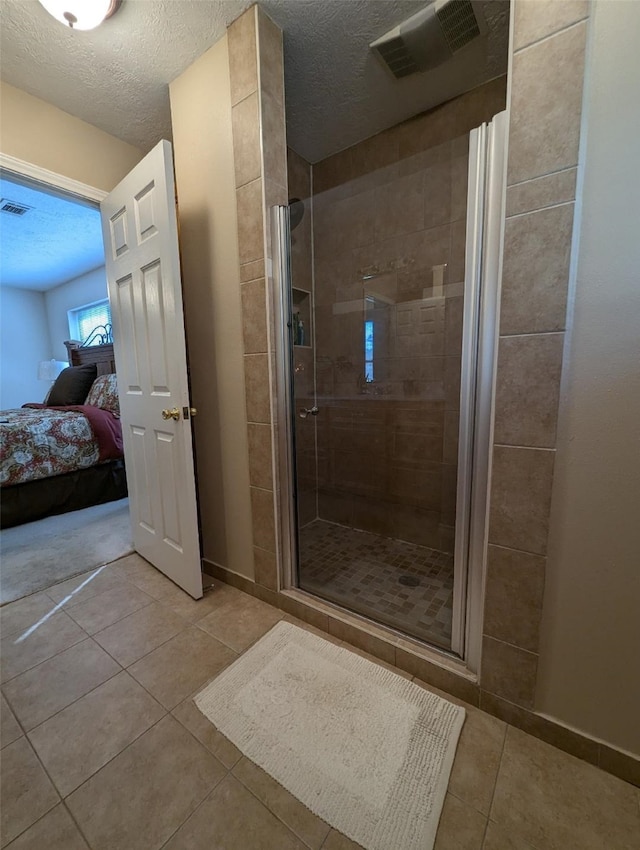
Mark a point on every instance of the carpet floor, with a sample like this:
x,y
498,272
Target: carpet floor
x,y
40,554
363,748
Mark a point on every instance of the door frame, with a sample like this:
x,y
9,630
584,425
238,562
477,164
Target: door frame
x,y
51,178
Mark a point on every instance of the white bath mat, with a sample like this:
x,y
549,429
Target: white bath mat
x,y
363,748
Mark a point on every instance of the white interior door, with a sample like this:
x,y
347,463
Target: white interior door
x,y
143,274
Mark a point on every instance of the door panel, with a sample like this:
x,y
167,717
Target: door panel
x,y
143,273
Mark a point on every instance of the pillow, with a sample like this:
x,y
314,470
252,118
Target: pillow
x,y
104,394
72,385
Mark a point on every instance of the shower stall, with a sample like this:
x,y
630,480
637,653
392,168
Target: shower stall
x,y
386,279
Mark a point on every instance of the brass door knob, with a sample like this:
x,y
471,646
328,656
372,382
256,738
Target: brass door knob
x,y
174,413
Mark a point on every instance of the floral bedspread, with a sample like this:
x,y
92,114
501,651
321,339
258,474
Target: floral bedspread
x,y
41,443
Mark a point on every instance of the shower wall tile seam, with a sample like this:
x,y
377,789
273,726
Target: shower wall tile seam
x,y
551,173
513,549
511,644
523,48
525,334
245,98
242,186
503,445
508,671
539,209
528,448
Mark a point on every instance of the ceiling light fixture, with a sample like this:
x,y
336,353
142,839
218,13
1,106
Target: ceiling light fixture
x,y
81,14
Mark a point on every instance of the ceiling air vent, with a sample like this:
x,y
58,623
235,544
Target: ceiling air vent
x,y
430,37
458,22
13,207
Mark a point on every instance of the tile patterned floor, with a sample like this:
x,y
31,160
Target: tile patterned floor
x,y
362,571
103,747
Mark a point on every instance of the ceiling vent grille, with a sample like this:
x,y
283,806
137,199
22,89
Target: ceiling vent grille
x,y
431,36
13,207
458,23
394,52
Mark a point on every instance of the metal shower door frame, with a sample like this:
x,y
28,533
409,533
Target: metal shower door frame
x,y
287,526
485,214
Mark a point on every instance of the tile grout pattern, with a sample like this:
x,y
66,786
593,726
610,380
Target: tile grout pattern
x,y
542,169
362,571
252,810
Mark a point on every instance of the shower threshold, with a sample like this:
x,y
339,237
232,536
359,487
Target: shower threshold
x,y
398,584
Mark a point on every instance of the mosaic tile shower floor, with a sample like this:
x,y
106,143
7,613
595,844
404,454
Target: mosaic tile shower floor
x,y
371,575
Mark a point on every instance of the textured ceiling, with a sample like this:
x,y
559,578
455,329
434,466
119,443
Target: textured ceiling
x,y
55,241
116,77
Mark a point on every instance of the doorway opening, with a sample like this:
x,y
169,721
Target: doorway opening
x,y
64,492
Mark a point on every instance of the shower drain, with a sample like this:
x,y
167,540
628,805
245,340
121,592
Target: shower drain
x,y
409,581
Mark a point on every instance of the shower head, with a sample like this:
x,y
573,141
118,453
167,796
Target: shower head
x,y
296,212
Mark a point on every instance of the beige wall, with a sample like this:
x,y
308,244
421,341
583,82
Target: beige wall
x,y
589,674
24,342
204,163
44,135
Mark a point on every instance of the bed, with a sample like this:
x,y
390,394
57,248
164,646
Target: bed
x,y
56,458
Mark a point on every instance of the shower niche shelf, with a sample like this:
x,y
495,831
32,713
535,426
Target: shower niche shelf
x,y
301,312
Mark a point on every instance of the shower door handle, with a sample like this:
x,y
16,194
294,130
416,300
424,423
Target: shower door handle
x,y
305,411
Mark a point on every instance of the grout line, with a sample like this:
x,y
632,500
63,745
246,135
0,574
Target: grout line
x,y
551,35
60,710
42,661
118,620
42,817
467,803
78,827
269,809
525,448
540,209
200,804
53,785
495,784
533,334
513,646
514,549
551,173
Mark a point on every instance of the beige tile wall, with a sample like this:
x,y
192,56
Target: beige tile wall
x,y
544,136
258,120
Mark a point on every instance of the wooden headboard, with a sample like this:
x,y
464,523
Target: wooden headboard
x,y
101,355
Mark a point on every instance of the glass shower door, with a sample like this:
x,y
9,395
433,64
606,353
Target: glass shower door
x,y
384,333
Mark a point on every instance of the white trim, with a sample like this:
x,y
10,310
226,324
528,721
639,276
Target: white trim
x,y
468,372
287,546
43,175
487,350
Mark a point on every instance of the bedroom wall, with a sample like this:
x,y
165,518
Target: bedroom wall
x,y
74,293
24,342
42,134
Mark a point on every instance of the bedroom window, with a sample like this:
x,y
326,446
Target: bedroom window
x,y
84,320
